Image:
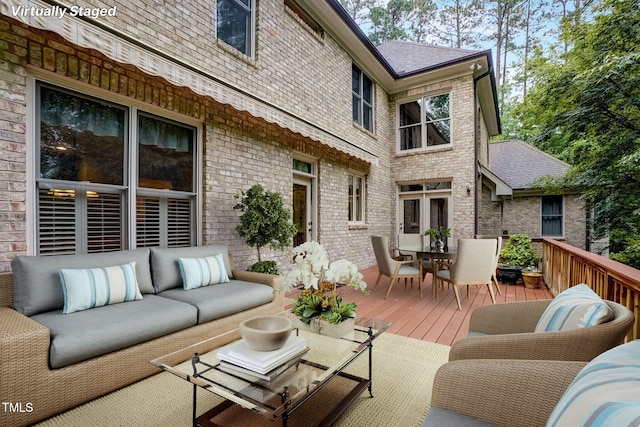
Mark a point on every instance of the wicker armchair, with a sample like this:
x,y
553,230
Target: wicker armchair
x,y
507,393
509,334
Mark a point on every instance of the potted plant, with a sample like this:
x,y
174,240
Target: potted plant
x,y
437,235
319,305
516,255
264,222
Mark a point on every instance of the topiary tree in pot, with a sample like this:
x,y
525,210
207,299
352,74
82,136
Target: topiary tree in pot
x,y
517,254
264,222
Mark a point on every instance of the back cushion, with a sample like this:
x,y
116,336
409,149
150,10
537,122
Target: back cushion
x,y
36,279
165,269
577,307
605,393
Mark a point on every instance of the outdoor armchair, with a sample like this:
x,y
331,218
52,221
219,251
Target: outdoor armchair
x,y
506,331
393,269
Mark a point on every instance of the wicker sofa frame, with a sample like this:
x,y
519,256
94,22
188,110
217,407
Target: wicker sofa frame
x,y
510,334
37,392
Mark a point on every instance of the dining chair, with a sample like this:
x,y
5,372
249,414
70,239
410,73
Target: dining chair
x,y
409,241
393,269
473,266
493,276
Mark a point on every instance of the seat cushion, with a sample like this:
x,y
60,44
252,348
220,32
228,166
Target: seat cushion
x,y
606,392
577,307
165,270
85,334
216,301
438,417
36,280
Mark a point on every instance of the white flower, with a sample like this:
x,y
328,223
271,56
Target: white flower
x,y
346,272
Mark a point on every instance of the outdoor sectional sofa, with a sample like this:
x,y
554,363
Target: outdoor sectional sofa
x,y
51,361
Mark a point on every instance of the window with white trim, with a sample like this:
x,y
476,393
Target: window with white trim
x,y
362,93
235,24
356,198
86,174
552,216
424,122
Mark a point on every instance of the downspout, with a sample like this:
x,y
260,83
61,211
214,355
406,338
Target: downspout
x,y
476,148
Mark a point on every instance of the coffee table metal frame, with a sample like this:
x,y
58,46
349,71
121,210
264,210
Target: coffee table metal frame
x,y
241,389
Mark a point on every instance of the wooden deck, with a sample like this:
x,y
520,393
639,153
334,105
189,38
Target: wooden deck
x,y
428,319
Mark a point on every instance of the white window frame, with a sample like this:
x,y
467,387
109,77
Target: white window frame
x,y
353,212
361,101
251,42
134,106
423,124
563,219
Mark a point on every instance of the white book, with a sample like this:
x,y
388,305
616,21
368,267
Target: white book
x,y
262,361
271,374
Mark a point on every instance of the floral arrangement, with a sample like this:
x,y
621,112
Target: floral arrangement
x,y
320,298
438,233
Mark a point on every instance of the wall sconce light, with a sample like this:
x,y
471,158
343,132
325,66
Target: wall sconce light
x,y
468,191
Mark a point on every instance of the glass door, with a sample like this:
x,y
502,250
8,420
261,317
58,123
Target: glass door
x,y
410,215
302,218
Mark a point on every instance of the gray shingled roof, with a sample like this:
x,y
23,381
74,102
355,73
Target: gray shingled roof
x,y
519,164
407,57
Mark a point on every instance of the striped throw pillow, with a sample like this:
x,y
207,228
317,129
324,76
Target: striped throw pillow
x,y
199,272
95,287
577,307
605,393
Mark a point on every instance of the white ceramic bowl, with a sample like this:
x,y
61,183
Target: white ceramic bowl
x,y
265,333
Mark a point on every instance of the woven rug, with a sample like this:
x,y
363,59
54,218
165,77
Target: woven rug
x,y
402,380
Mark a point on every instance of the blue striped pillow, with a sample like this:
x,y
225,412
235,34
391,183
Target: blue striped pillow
x,y
199,272
577,307
95,287
605,393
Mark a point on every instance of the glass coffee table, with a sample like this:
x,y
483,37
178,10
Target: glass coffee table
x,y
293,386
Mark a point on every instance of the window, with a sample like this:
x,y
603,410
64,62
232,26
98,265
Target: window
x,y
425,122
85,176
552,216
362,92
356,198
235,23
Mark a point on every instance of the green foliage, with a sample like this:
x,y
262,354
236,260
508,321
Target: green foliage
x,y
438,233
518,252
264,220
311,304
269,267
630,255
585,109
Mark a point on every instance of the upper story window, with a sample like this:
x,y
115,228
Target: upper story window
x,y
356,198
94,193
362,92
425,122
552,216
235,24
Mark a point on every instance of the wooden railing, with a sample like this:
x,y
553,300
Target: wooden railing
x,y
565,266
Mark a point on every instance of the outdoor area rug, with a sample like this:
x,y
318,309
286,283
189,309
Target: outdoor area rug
x,y
402,379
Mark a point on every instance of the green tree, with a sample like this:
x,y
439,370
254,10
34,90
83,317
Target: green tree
x,y
585,108
264,220
459,21
391,22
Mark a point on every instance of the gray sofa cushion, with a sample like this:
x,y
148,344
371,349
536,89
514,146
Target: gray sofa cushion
x,y
438,417
165,270
36,282
85,334
223,299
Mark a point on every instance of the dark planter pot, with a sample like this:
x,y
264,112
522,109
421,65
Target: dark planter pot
x,y
509,275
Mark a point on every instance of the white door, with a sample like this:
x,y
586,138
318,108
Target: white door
x,y
410,215
303,210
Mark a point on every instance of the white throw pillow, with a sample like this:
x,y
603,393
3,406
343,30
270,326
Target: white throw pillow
x,y
577,307
198,272
95,287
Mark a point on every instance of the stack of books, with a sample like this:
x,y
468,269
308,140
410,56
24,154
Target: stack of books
x,y
263,364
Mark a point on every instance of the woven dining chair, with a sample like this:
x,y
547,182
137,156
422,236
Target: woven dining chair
x,y
393,269
473,266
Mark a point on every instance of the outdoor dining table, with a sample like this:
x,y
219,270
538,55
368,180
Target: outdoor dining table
x,y
436,258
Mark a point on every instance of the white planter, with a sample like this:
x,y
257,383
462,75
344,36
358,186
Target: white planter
x,y
323,327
